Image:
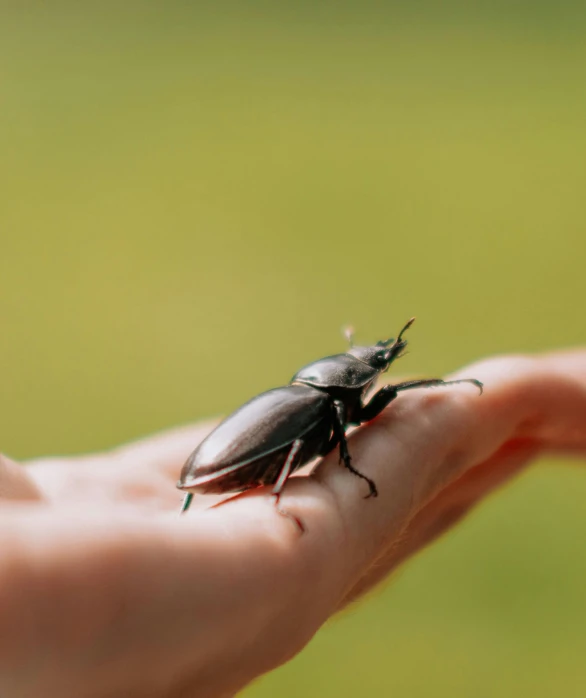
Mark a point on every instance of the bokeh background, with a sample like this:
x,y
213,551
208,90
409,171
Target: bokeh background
x,y
194,199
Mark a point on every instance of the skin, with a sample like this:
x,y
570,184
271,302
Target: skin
x,y
106,591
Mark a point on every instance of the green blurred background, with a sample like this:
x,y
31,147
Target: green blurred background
x,y
194,199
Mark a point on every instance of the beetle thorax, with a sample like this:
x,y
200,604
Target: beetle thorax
x,y
342,372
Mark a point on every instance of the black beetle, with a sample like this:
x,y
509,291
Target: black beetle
x,y
277,432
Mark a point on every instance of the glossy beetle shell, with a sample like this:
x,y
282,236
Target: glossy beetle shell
x,y
249,448
338,371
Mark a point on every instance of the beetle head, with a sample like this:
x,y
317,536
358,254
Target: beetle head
x,y
383,353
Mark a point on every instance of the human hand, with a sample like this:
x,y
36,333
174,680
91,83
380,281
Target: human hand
x,y
106,591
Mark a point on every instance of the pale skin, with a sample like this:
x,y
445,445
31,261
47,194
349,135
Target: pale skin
x,y
106,591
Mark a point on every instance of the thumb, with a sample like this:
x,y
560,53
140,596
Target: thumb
x,y
15,483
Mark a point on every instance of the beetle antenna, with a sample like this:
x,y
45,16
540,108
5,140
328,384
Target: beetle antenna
x,y
186,502
407,326
349,334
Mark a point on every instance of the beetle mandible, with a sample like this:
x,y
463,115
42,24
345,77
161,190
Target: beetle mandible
x,y
277,432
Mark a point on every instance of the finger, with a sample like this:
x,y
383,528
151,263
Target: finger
x,y
562,415
446,510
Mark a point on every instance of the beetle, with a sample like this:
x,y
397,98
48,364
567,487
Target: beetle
x,y
278,431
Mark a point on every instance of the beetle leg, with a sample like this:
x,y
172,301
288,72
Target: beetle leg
x,y
186,502
340,434
282,479
389,392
